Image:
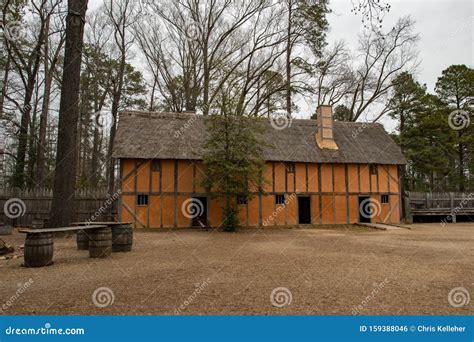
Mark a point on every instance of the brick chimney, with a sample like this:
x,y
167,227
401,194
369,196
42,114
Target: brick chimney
x,y
325,134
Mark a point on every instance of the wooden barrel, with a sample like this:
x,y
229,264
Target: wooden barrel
x,y
100,242
39,250
82,239
122,238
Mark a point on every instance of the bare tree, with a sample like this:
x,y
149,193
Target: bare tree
x,y
53,47
383,57
27,62
122,16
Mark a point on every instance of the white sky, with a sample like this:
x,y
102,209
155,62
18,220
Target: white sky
x,y
446,30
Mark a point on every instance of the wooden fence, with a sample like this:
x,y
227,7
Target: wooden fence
x,y
20,208
440,203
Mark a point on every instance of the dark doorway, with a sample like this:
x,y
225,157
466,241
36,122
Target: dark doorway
x,y
199,212
304,210
365,210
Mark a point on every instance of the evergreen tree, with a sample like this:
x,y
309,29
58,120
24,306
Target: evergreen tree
x,y
233,159
456,89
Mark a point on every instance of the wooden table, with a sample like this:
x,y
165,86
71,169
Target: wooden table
x,y
39,243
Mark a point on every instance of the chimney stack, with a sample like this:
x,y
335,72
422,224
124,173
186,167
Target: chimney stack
x,y
325,133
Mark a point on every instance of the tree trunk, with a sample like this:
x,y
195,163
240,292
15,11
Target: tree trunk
x,y
288,60
65,176
40,157
4,85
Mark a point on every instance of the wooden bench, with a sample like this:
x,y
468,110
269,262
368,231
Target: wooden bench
x,y
122,235
39,243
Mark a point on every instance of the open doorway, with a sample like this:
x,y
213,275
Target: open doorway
x,y
199,206
304,210
365,209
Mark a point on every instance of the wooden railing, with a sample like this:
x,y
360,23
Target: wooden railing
x,y
440,203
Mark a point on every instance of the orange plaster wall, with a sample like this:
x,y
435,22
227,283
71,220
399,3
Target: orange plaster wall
x,y
182,220
155,211
328,209
394,178
167,167
300,170
326,178
268,209
143,176
353,178
364,178
315,209
375,187
280,177
395,203
383,179
128,184
168,211
126,215
354,209
267,174
291,210
341,209
199,178
185,176
155,181
339,178
253,211
142,216
313,178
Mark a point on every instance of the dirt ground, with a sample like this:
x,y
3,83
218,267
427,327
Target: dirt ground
x,y
323,271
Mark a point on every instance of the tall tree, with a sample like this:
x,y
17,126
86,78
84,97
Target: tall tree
x,y
122,16
26,59
456,88
65,175
306,23
233,160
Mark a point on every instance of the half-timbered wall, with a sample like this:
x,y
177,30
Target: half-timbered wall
x,y
334,191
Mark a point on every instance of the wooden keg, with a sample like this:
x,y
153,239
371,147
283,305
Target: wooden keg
x,y
100,242
39,250
122,238
82,239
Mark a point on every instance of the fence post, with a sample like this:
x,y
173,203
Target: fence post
x,y
453,214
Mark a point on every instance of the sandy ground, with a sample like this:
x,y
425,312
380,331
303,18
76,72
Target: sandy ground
x,y
324,271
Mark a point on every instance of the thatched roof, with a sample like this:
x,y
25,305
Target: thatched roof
x,y
143,135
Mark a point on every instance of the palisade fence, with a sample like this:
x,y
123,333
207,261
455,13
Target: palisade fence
x,y
21,207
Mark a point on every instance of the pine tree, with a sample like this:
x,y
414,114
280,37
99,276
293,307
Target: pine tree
x,y
233,159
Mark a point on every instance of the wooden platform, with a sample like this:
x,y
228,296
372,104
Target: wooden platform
x,y
381,226
59,230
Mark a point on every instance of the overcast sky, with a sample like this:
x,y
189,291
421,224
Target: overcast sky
x,y
446,29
